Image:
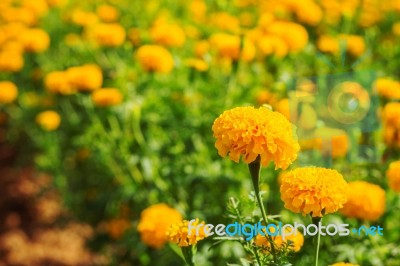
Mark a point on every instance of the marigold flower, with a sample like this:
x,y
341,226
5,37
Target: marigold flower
x,y
355,45
35,40
107,34
106,97
273,45
295,35
11,61
332,141
155,58
107,13
255,132
179,233
296,239
388,88
38,7
48,120
154,223
198,64
229,46
88,77
313,190
308,12
83,18
393,174
328,44
168,34
58,82
225,21
364,201
198,9
8,92
343,264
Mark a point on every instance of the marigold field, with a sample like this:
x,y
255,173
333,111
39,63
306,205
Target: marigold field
x,y
130,130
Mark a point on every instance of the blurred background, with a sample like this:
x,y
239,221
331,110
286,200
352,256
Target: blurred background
x,y
106,109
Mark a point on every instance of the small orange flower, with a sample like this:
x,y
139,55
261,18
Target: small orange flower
x,y
155,58
106,97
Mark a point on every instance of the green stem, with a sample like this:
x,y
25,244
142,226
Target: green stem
x,y
316,221
255,169
188,254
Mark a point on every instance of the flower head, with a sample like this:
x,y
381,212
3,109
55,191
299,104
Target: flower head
x,y
155,58
88,77
48,120
313,190
296,239
8,92
388,88
106,97
255,132
35,40
393,174
154,223
58,82
107,34
364,201
179,233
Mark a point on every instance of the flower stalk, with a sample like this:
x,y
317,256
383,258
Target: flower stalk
x,y
316,221
255,169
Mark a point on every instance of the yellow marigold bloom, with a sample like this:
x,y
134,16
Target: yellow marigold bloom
x,y
155,58
82,18
387,88
390,114
364,201
38,7
308,12
343,264
168,34
295,35
155,222
328,44
297,240
255,132
11,61
107,13
19,14
107,34
58,82
273,45
35,40
201,48
87,77
229,46
393,174
396,28
355,45
225,21
8,92
332,141
179,233
198,64
106,97
48,120
313,190
198,9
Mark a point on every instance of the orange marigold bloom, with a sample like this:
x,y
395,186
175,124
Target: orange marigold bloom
x,y
155,222
255,132
8,92
297,240
332,141
11,61
107,34
179,233
168,34
88,77
295,35
273,45
106,97
198,64
328,44
388,88
155,58
343,264
355,45
48,120
117,227
364,201
35,40
229,46
107,13
313,190
393,174
58,82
